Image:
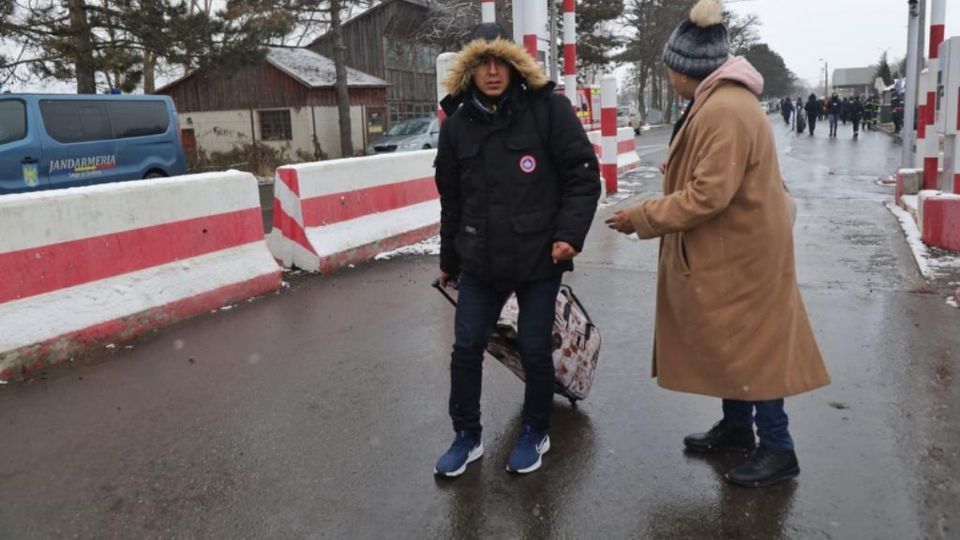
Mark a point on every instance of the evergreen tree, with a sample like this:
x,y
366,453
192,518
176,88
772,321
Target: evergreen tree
x,y
778,80
883,70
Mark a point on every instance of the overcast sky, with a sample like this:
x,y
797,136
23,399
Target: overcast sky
x,y
845,33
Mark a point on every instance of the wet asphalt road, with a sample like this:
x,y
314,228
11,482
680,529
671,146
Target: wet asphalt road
x,y
319,412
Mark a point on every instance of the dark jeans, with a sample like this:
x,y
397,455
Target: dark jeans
x,y
771,419
856,125
478,308
812,124
833,123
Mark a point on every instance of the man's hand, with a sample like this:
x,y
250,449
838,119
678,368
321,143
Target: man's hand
x,y
620,222
446,280
563,251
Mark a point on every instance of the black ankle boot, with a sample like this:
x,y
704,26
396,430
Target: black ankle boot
x,y
765,468
722,437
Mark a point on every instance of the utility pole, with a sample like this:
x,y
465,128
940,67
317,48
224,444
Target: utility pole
x,y
910,105
826,78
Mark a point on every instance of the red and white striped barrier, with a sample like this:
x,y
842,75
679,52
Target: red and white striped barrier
x,y
939,220
330,214
627,157
90,266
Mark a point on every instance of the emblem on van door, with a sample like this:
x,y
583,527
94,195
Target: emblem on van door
x,y
528,164
31,174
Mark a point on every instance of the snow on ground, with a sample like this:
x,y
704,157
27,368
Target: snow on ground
x,y
952,302
430,246
932,262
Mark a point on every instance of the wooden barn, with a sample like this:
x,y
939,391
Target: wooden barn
x,y
383,41
287,102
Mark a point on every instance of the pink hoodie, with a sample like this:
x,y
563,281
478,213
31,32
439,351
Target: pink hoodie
x,y
735,69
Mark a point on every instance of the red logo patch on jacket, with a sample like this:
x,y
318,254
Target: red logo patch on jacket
x,y
528,164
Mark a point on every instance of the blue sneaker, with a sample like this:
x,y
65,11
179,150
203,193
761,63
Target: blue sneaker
x,y
525,457
466,449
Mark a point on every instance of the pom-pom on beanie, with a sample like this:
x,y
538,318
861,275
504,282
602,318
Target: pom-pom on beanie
x,y
699,45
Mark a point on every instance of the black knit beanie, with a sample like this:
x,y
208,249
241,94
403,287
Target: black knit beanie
x,y
699,45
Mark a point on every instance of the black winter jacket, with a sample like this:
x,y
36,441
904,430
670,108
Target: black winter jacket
x,y
512,184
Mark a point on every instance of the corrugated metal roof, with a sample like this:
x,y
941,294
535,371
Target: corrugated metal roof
x,y
315,70
862,76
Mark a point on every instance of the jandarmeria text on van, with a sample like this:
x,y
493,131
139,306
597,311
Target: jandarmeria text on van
x,y
90,162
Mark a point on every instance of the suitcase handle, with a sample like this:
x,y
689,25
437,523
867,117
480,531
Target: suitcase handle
x,y
436,285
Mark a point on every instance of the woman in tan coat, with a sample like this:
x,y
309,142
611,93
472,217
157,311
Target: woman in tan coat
x,y
730,322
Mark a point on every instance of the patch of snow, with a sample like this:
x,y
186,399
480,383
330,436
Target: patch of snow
x,y
3,382
285,284
228,308
952,302
111,346
912,201
920,252
430,246
315,70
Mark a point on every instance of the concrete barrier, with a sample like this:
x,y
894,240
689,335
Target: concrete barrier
x,y
627,157
330,214
940,216
101,264
908,183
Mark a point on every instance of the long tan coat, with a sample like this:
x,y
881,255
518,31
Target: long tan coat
x,y
730,320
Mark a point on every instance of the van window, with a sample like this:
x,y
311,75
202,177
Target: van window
x,y
13,121
71,121
138,118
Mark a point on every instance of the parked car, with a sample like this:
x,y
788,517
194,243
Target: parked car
x,y
407,136
623,117
65,140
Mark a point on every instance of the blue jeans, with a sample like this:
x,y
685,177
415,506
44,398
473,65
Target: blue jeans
x,y
478,308
834,118
771,419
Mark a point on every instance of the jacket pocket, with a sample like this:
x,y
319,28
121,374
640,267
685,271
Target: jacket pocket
x,y
526,152
470,244
533,237
533,222
682,257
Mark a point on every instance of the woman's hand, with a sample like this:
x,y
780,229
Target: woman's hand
x,y
663,168
620,222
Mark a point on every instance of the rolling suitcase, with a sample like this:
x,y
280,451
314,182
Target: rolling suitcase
x,y
576,343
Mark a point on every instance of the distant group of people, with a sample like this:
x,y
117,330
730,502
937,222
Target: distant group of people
x,y
804,115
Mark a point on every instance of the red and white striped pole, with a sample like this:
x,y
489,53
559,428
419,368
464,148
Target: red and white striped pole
x,y
488,11
608,132
444,63
530,27
922,82
931,151
570,50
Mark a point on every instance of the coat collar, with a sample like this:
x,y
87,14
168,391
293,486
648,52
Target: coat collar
x,y
697,105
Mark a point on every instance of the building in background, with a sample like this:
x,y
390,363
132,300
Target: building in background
x,y
849,82
383,41
284,108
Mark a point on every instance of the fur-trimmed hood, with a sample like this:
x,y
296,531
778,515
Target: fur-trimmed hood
x,y
461,73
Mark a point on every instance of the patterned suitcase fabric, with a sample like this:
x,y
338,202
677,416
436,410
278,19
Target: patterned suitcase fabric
x,y
576,344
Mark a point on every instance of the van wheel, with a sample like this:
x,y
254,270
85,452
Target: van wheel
x,y
154,174
426,147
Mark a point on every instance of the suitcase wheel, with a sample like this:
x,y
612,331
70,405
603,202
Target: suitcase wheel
x,y
573,402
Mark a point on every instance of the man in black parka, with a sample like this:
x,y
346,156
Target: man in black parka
x,y
519,184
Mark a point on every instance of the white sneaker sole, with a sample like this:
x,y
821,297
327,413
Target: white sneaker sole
x,y
474,455
535,466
